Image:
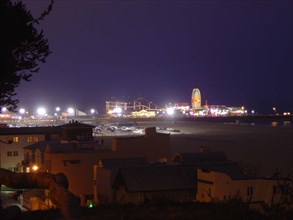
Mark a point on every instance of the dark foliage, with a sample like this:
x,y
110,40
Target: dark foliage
x,y
22,48
230,209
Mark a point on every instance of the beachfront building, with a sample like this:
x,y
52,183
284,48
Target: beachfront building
x,y
76,155
12,141
105,172
74,159
154,183
213,185
136,180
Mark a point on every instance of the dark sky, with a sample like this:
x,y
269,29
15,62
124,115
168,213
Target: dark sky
x,y
236,52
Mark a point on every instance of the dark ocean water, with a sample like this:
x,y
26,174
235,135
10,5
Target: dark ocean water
x,y
260,120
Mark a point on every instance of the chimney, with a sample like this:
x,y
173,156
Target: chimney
x,y
149,132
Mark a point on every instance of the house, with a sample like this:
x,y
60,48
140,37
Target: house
x,y
216,161
12,141
105,172
214,185
76,153
74,159
154,183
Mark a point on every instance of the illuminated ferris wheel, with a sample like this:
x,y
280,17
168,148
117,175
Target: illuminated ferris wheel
x,y
195,99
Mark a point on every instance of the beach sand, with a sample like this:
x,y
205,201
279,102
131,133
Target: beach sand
x,y
266,148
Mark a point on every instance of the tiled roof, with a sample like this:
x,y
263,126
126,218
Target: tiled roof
x,y
41,145
115,164
156,178
201,157
57,147
230,168
29,130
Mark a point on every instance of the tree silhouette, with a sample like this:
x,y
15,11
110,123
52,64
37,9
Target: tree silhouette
x,y
22,48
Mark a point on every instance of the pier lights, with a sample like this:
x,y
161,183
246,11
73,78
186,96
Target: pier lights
x,y
70,111
21,111
41,111
3,109
170,111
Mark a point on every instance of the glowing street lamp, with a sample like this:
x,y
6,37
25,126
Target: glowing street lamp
x,y
4,109
35,168
117,110
170,111
41,111
57,109
70,111
21,111
93,111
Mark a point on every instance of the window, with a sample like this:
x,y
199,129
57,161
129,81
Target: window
x,y
15,153
249,191
9,153
15,139
29,139
32,139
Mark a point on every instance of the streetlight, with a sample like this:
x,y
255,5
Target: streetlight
x,y
70,111
4,109
41,111
21,111
170,111
35,168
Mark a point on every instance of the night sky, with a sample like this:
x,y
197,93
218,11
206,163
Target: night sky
x,y
236,52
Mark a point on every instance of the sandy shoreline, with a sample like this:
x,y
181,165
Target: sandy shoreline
x,y
267,148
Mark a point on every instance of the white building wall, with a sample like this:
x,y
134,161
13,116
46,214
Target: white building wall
x,y
218,186
12,154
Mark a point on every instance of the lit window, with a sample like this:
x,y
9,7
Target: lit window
x,y
15,139
29,139
9,153
32,139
